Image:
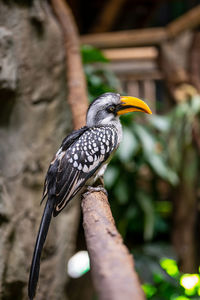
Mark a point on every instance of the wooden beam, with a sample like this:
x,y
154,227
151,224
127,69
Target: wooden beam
x,y
150,93
154,75
126,38
143,37
130,67
139,53
188,21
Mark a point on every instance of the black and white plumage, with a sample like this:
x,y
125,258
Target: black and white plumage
x,y
81,159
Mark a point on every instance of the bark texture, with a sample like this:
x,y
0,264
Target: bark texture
x,y
112,265
77,97
34,118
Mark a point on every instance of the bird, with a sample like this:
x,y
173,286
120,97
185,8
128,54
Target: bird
x,y
81,159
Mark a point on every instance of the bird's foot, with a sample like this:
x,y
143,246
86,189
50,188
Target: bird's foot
x,y
98,188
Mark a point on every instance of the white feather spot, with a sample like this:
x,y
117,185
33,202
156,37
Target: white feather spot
x,y
70,160
85,169
75,156
75,164
80,167
103,151
90,158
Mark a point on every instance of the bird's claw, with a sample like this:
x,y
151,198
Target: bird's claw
x,y
98,188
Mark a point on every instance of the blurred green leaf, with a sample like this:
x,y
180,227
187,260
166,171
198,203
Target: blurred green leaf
x,y
155,160
121,192
164,207
111,79
149,290
147,206
161,169
131,212
158,278
161,123
110,176
147,140
161,225
195,104
180,110
180,298
128,147
96,80
170,266
91,54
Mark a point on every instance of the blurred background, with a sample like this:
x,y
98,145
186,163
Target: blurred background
x,y
144,48
151,49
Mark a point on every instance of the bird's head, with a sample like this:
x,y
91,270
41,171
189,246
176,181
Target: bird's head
x,y
107,108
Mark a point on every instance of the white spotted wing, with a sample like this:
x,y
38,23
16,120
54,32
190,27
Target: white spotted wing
x,y
80,161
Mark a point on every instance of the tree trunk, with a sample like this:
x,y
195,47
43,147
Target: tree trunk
x,y
175,65
185,213
34,118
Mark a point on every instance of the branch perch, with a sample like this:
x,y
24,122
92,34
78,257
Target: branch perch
x,y
112,265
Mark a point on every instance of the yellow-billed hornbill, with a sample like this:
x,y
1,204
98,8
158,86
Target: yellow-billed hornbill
x,y
81,159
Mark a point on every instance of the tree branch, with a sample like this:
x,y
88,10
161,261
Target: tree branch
x,y
112,265
77,95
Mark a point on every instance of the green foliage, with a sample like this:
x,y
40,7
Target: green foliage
x,y
99,79
172,285
92,55
143,173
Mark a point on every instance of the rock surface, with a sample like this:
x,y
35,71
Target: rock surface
x,y
34,118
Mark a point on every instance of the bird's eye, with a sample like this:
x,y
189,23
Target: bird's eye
x,y
111,108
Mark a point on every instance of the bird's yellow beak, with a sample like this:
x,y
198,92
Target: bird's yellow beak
x,y
130,104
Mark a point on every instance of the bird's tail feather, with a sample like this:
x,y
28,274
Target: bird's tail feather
x,y
41,237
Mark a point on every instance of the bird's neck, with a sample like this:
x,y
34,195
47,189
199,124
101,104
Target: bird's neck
x,y
117,124
114,122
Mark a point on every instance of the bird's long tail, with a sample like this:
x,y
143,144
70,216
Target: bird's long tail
x,y
41,237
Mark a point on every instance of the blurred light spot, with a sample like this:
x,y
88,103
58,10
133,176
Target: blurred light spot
x,y
170,266
189,281
78,264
